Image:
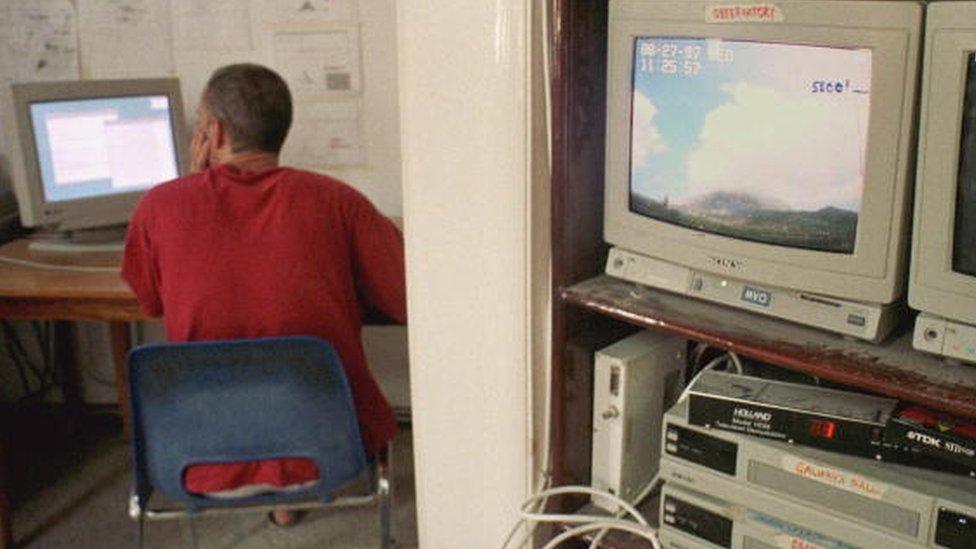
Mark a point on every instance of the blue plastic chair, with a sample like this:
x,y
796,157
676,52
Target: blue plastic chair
x,y
222,401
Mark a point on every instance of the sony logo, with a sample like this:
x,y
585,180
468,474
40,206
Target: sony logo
x,y
746,413
725,262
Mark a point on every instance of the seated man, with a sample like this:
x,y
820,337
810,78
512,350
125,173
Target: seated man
x,y
245,248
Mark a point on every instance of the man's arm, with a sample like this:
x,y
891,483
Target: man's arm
x,y
377,247
139,268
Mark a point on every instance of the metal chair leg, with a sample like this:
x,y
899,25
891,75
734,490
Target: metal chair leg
x,y
386,514
140,526
384,490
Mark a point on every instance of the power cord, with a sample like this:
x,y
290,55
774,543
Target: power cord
x,y
728,358
648,489
530,513
646,532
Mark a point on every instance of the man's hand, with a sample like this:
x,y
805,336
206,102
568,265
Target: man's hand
x,y
199,149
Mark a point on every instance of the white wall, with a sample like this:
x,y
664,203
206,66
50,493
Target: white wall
x,y
464,104
378,178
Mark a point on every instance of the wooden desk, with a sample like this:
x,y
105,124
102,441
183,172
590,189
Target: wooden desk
x,y
64,295
64,291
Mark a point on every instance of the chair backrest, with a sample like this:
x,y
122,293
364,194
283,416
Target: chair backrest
x,y
224,401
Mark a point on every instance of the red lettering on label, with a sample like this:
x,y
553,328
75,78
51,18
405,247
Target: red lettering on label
x,y
809,470
759,12
864,485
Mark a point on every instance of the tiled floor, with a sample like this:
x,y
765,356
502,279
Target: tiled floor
x,y
75,496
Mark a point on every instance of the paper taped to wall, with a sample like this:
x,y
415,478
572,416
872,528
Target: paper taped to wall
x,y
214,25
39,41
125,38
325,134
315,11
319,62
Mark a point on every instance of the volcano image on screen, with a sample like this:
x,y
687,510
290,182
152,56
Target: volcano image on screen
x,y
755,141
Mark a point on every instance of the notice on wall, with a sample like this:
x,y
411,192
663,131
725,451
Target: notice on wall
x,y
315,11
320,62
325,134
125,38
213,25
39,41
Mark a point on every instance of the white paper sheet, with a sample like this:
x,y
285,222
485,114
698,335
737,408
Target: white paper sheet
x,y
39,40
125,38
319,62
325,134
213,25
315,11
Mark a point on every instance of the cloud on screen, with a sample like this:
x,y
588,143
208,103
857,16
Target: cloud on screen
x,y
777,145
647,139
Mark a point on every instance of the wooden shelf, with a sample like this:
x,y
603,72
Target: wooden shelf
x,y
892,368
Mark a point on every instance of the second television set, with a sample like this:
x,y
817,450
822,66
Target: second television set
x,y
762,158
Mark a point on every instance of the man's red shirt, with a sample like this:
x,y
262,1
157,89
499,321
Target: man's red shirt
x,y
224,254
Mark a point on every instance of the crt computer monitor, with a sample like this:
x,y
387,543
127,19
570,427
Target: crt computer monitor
x,y
84,152
943,273
769,143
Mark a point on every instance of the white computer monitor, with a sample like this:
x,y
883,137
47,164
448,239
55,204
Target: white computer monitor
x,y
760,154
83,152
943,273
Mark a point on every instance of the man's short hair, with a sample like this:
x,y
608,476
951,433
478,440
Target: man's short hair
x,y
254,105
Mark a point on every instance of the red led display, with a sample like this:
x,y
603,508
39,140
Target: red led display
x,y
822,428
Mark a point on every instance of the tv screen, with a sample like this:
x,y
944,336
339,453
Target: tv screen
x,y
964,253
751,140
103,146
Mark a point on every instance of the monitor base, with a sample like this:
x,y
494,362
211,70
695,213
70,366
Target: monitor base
x,y
940,336
88,241
866,321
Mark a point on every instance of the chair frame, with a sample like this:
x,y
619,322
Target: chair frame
x,y
381,495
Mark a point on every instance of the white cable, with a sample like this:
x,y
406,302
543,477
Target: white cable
x,y
711,365
648,488
586,490
544,495
55,267
646,532
547,80
521,522
547,410
738,363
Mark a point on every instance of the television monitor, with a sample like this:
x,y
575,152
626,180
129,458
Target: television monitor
x,y
943,274
84,152
759,155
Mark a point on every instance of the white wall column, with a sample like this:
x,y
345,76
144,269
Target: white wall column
x,y
464,100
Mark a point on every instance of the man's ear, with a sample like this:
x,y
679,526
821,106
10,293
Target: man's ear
x,y
218,134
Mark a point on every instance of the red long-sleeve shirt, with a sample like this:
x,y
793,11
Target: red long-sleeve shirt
x,y
224,254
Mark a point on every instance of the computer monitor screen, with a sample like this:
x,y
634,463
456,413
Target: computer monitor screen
x,y
95,147
964,252
757,141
